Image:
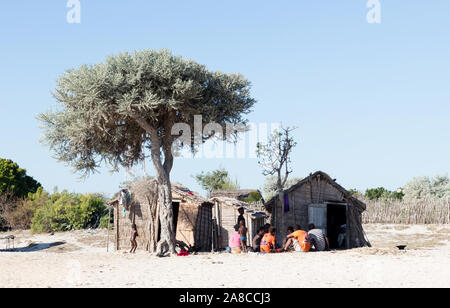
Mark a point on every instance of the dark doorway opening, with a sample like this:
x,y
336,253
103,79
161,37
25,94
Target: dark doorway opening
x,y
176,211
336,217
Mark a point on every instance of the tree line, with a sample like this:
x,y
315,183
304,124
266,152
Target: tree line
x,y
24,204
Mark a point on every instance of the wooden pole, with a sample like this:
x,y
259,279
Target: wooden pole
x,y
109,220
212,235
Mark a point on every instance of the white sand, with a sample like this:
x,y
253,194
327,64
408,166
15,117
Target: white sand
x,y
84,262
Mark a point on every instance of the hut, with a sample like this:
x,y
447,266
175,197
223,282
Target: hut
x,y
318,199
192,216
225,215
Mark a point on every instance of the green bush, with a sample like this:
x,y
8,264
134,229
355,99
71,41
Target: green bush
x,y
383,194
254,197
65,211
104,222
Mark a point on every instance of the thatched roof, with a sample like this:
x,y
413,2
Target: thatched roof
x,y
229,201
236,194
225,201
182,193
325,177
148,187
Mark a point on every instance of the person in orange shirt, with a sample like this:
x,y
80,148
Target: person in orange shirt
x,y
268,241
300,240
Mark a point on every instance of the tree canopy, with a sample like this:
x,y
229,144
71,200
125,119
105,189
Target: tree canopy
x,y
108,111
15,180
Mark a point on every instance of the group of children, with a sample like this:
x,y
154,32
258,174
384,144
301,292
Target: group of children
x,y
265,241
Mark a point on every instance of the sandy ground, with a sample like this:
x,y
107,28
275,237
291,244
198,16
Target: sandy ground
x,y
79,259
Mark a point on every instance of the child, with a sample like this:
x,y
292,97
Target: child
x,y
243,233
235,241
300,240
134,235
257,240
268,241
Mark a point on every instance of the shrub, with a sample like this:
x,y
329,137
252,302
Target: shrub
x,y
255,196
104,221
18,213
65,211
381,193
428,188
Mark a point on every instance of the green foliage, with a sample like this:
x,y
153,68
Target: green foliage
x,y
104,221
65,211
353,192
216,180
375,193
384,194
14,179
255,196
230,184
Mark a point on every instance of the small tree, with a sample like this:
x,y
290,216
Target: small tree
x,y
274,157
110,111
216,180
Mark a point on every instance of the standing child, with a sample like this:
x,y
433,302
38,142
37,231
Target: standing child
x,y
134,235
243,233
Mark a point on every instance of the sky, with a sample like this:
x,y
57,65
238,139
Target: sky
x,y
371,101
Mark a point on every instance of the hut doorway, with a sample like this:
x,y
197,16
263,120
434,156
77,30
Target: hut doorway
x,y
336,218
176,211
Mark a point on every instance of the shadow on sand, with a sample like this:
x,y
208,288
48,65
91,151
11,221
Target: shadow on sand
x,y
34,247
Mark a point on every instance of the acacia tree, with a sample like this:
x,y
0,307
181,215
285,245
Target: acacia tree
x,y
109,111
274,157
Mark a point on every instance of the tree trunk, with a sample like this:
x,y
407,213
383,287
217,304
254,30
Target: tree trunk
x,y
281,199
167,242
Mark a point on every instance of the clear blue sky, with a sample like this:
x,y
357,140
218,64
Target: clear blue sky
x,y
372,101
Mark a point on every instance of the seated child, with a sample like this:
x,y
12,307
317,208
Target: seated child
x,y
235,241
268,241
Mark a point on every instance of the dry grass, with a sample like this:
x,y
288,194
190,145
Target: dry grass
x,y
403,212
416,237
